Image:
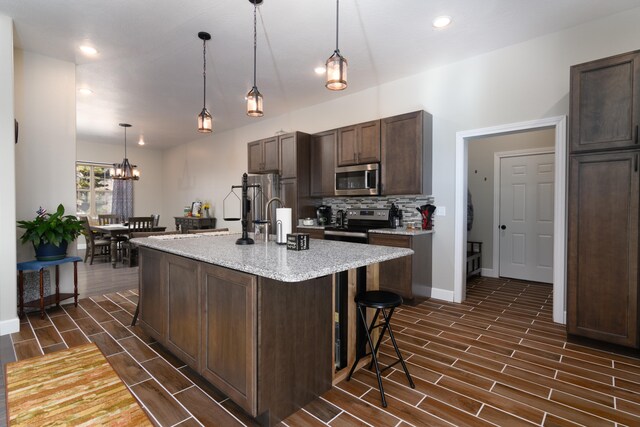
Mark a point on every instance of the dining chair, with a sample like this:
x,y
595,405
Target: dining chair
x,y
136,224
94,241
104,219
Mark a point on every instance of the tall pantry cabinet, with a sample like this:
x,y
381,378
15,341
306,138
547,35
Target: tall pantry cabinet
x,y
604,200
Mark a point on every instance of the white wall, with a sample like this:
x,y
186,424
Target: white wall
x,y
523,82
8,319
481,185
45,155
147,192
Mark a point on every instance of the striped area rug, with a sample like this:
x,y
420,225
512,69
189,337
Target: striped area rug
x,y
76,386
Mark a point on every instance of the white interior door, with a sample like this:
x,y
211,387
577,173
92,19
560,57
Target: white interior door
x,y
526,217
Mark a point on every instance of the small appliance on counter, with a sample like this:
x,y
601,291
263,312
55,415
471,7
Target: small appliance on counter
x,y
324,215
395,216
341,218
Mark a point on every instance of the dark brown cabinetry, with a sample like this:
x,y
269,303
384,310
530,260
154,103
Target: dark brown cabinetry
x,y
323,163
358,144
403,275
183,311
603,247
264,156
230,334
314,233
265,344
605,103
604,201
295,175
153,309
406,143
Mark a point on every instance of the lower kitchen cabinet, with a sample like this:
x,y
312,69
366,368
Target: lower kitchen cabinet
x,y
183,309
265,344
153,309
314,233
406,274
602,277
229,335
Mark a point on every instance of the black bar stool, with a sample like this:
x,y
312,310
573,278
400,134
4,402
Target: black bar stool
x,y
381,301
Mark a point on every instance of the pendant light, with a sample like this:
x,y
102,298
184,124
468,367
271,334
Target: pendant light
x,y
337,64
204,118
125,170
254,97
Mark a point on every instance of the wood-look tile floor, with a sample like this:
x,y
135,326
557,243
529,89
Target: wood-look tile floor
x,y
496,359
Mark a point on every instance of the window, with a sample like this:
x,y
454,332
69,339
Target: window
x,y
94,189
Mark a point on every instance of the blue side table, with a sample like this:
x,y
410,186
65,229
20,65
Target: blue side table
x,y
50,299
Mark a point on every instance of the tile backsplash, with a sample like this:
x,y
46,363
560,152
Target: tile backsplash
x,y
407,204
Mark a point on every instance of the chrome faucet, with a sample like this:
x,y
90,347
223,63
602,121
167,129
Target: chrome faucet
x,y
266,207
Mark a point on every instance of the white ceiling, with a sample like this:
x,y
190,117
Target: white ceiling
x,y
148,71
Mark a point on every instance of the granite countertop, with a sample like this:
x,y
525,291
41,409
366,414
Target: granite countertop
x,y
275,261
401,231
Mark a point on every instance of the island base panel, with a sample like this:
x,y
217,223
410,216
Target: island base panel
x,y
295,348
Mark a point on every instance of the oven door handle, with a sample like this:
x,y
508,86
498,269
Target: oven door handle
x,y
345,233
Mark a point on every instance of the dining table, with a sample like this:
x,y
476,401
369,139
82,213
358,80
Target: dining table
x,y
114,231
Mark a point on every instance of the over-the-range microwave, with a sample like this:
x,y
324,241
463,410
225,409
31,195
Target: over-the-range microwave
x,y
358,180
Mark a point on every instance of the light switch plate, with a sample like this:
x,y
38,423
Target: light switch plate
x,y
441,211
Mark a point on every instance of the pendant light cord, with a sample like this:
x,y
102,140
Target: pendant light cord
x,y
337,22
255,41
204,73
125,142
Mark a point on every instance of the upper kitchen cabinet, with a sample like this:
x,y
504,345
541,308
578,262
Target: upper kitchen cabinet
x,y
406,143
358,144
323,163
264,156
294,154
605,103
294,175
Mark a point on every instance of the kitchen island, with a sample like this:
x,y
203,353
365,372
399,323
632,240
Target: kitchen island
x,y
256,321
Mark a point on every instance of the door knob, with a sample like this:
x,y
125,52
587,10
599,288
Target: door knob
x,y
503,227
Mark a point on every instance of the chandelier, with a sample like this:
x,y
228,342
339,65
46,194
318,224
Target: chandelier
x,y
125,170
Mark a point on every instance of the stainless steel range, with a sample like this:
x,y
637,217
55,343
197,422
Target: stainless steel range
x,y
358,222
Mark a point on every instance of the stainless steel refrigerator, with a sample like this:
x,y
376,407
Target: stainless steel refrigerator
x,y
269,188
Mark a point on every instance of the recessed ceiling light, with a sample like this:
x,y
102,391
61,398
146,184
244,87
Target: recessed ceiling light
x,y
441,21
141,142
320,70
88,50
85,91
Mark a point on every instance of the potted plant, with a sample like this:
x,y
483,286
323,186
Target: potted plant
x,y
50,234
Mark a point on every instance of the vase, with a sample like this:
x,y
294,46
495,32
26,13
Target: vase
x,y
51,252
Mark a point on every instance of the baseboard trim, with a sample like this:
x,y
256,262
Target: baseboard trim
x,y
488,272
442,294
9,326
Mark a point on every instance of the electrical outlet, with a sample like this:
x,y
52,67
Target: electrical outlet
x,y
441,211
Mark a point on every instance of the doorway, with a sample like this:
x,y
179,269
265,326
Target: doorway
x,y
559,223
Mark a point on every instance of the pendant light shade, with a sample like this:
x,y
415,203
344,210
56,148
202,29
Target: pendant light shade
x,y
254,103
204,121
125,170
336,64
254,97
205,124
